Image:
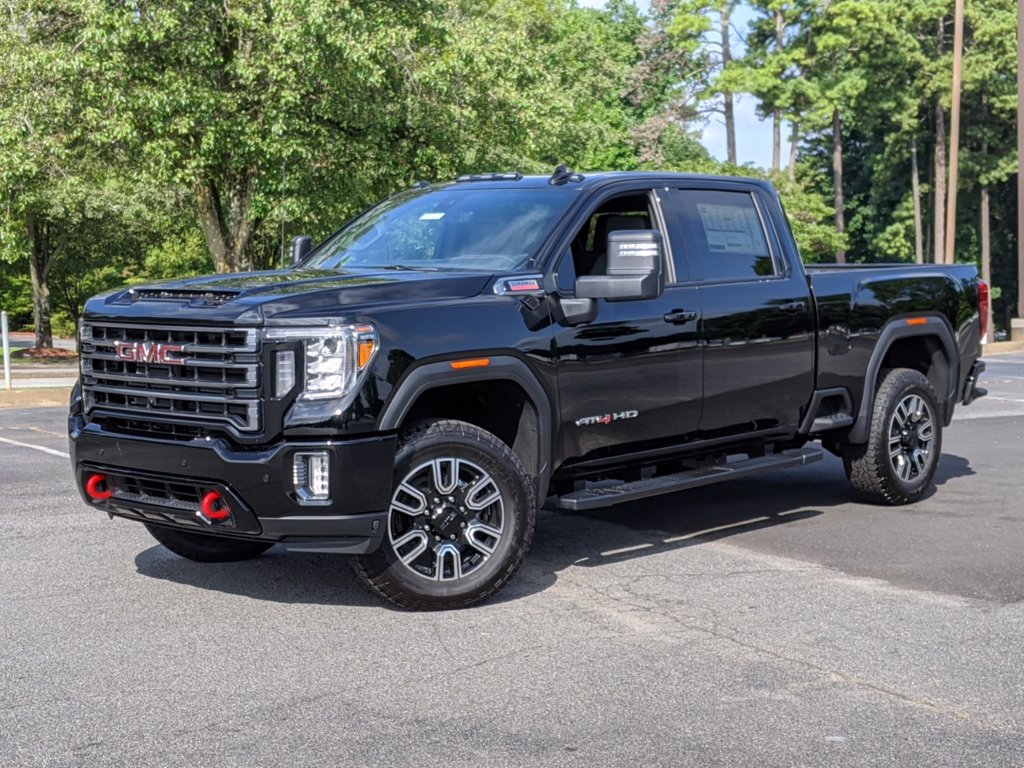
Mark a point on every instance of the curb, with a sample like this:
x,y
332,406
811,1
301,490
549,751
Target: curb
x,y
1001,348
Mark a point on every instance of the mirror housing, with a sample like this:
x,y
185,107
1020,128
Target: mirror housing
x,y
635,260
301,246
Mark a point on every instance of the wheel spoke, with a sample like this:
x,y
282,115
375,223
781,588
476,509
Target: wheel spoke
x,y
446,475
902,466
405,489
417,538
482,537
448,553
920,459
913,406
899,416
482,494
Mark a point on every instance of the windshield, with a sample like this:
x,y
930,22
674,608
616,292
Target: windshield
x,y
450,228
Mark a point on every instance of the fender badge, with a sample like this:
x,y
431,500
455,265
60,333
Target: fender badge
x,y
608,418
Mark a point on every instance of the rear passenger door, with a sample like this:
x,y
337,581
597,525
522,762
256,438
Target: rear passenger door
x,y
757,325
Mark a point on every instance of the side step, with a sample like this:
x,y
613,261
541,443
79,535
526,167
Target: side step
x,y
607,496
831,421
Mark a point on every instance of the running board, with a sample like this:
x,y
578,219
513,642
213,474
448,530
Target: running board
x,y
606,496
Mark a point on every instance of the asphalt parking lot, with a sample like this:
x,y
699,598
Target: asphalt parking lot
x,y
768,622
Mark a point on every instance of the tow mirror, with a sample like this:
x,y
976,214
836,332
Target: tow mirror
x,y
301,246
635,259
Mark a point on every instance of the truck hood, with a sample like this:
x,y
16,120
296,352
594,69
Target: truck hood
x,y
256,297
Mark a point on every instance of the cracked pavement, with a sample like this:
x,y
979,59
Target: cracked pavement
x,y
770,621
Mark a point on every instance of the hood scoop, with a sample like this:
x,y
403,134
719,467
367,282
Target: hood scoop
x,y
195,297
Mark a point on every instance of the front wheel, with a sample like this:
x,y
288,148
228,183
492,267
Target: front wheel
x,y
204,548
898,463
460,521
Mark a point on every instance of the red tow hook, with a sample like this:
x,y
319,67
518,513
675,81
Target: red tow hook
x,y
98,487
213,509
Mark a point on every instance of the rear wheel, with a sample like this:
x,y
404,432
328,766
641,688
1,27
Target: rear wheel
x,y
204,548
897,465
460,520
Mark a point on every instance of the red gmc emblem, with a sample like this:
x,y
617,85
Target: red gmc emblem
x,y
147,352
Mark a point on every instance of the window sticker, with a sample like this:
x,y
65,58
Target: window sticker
x,y
732,229
432,216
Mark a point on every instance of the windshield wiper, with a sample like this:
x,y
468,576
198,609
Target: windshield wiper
x,y
404,268
394,267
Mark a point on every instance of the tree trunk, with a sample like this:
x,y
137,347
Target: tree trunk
x,y
794,138
780,30
915,184
227,222
776,139
725,11
40,257
939,238
939,210
837,179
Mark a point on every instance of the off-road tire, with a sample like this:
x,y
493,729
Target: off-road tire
x,y
440,441
870,467
204,548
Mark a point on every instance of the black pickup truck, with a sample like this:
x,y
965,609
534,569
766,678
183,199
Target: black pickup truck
x,y
414,388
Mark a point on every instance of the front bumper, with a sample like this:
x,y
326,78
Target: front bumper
x,y
163,482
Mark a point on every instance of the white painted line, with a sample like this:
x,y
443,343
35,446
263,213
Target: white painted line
x,y
624,550
44,449
705,531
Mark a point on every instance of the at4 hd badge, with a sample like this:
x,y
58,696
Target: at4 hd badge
x,y
608,418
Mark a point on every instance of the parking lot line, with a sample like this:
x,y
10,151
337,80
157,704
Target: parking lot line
x,y
44,449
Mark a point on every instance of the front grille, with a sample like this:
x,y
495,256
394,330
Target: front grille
x,y
163,493
173,374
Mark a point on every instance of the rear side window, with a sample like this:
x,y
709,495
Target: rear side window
x,y
723,237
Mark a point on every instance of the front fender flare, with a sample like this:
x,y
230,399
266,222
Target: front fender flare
x,y
500,368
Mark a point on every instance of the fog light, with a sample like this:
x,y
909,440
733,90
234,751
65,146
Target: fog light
x,y
311,473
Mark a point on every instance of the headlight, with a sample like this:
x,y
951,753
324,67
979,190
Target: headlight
x,y
335,356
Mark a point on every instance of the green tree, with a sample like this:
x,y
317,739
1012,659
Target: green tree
x,y
48,167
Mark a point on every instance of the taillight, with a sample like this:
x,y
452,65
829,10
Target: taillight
x,y
983,306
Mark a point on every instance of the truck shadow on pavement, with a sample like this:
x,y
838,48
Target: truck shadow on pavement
x,y
562,540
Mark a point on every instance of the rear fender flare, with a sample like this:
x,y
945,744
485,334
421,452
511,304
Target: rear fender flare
x,y
934,327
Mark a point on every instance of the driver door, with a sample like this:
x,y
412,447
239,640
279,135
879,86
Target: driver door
x,y
631,379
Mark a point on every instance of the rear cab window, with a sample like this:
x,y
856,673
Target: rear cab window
x,y
723,236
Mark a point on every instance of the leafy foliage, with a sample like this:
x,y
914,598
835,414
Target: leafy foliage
x,y
145,140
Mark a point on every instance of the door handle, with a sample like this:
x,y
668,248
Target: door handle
x,y
792,307
680,316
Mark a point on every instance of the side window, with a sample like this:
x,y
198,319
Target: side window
x,y
723,237
590,246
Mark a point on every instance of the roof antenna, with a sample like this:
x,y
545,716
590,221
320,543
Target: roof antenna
x,y
562,174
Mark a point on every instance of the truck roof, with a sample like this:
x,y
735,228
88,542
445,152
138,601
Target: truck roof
x,y
504,180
